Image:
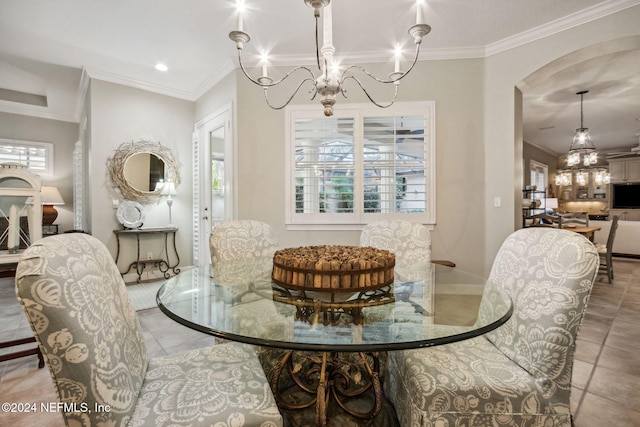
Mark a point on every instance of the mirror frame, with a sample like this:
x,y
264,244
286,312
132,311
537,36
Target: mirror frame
x,y
115,166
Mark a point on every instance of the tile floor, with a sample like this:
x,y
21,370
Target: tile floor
x,y
606,376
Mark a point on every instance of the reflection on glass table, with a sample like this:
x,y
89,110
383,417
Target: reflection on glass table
x,y
427,305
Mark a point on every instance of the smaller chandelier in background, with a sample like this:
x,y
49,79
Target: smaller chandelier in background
x,y
582,150
601,177
330,80
563,178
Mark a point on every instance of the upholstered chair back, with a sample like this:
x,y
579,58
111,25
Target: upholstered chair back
x,y
404,238
548,273
241,239
87,329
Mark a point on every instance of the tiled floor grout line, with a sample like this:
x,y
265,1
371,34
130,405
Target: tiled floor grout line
x,y
597,359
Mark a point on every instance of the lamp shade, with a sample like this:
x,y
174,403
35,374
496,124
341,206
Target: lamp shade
x,y
167,188
50,196
551,203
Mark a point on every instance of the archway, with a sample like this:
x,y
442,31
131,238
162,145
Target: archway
x,y
550,110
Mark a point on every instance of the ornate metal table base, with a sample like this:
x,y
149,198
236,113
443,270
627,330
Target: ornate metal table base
x,y
329,375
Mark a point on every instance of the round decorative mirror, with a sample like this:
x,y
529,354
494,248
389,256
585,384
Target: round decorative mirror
x,y
143,171
137,169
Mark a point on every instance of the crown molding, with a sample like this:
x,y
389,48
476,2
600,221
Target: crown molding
x,y
570,21
137,84
213,79
378,57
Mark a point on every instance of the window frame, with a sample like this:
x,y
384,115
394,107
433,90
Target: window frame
x,y
46,146
540,170
356,220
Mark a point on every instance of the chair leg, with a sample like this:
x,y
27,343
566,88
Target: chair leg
x,y
609,267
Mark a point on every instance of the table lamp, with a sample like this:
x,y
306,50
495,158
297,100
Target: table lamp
x,y
167,188
551,204
50,196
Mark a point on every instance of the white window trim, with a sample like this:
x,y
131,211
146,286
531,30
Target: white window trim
x,y
356,221
47,146
535,165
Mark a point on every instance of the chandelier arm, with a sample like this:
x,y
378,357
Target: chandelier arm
x,y
317,16
272,83
377,104
266,98
401,75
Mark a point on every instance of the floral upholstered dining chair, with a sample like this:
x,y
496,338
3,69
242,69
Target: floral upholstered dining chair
x,y
520,373
241,239
88,331
406,239
237,241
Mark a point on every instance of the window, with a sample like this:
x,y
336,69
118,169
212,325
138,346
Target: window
x,y
539,174
37,156
362,164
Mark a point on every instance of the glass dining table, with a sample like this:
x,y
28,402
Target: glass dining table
x,y
329,342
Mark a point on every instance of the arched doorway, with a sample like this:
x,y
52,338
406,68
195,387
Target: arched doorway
x,y
550,109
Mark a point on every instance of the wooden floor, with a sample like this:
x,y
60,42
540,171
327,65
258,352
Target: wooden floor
x,y
606,376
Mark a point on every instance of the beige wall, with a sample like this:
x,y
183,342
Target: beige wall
x,y
531,152
219,96
63,135
122,114
503,72
455,86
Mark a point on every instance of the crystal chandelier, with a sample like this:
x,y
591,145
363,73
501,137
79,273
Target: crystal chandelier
x,y
330,79
582,150
582,155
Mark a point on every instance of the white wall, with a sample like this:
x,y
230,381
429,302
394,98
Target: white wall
x,y
122,114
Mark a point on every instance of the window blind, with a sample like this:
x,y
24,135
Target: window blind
x,y
360,165
37,156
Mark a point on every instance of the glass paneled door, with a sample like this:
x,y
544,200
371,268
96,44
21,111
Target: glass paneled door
x,y
214,193
216,171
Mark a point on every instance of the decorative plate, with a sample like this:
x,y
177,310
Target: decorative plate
x,y
130,214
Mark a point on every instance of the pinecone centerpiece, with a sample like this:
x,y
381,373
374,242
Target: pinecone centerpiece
x,y
333,268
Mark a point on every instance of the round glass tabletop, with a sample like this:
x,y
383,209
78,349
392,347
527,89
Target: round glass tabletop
x,y
427,305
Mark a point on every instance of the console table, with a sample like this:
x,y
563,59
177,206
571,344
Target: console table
x,y
163,263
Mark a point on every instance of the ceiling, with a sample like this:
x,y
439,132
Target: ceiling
x,y
46,45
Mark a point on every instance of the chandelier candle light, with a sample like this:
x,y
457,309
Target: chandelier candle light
x,y
330,81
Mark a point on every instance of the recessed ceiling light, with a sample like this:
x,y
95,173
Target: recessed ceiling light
x,y
161,67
